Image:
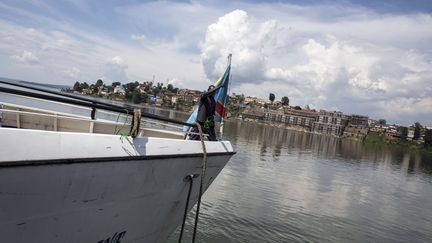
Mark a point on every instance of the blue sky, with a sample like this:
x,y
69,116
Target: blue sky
x,y
364,57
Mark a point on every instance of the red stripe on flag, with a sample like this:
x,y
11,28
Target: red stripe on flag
x,y
220,109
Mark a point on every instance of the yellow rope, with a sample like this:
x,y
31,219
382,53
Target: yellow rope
x,y
136,120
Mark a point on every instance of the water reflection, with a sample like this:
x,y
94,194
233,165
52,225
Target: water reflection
x,y
285,186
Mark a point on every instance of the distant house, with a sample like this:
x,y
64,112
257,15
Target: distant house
x,y
410,135
188,96
392,133
254,100
357,128
159,100
175,99
119,90
355,132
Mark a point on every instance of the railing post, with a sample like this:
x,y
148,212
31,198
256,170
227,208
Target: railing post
x,y
93,112
55,122
18,119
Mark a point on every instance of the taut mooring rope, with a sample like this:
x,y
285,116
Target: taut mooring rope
x,y
204,167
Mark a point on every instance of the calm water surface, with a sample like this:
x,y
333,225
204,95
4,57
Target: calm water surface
x,y
285,186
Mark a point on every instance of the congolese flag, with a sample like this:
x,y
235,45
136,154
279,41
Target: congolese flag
x,y
221,98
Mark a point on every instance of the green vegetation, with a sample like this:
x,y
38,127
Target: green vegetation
x,y
272,97
133,92
285,100
380,141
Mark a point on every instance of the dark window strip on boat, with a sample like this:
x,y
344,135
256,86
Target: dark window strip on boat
x,y
104,159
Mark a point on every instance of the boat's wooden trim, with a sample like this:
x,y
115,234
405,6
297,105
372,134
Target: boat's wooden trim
x,y
21,163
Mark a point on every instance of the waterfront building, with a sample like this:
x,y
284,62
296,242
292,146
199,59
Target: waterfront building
x,y
188,96
255,100
355,132
410,135
372,122
290,116
357,128
358,120
253,114
330,122
392,133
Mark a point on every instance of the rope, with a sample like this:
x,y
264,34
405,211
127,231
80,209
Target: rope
x,y
190,179
136,120
204,167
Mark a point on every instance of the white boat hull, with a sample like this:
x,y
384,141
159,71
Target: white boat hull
x,y
111,196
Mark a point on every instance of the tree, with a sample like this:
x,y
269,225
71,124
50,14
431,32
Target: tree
x,y
77,86
85,85
170,87
136,97
403,131
115,84
99,83
272,97
285,100
417,128
297,107
428,138
94,89
382,122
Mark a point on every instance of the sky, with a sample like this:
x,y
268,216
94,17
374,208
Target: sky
x,y
361,57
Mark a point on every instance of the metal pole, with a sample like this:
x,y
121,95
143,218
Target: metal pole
x,y
229,79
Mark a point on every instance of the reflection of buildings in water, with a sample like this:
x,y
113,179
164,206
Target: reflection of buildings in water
x,y
263,150
264,139
279,141
325,145
351,148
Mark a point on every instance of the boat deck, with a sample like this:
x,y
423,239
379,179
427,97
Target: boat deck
x,y
23,117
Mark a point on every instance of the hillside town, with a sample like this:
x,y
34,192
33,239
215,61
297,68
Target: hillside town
x,y
270,111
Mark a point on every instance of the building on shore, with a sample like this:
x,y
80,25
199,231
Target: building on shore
x,y
392,133
290,116
357,128
355,132
253,114
257,101
330,123
187,96
358,120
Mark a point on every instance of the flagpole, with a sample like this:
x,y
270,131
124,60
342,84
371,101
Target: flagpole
x,y
222,119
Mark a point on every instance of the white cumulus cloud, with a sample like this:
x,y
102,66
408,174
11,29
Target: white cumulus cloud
x,y
115,70
26,57
138,37
324,69
233,33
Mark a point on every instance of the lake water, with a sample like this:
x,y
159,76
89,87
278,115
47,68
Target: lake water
x,y
286,186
